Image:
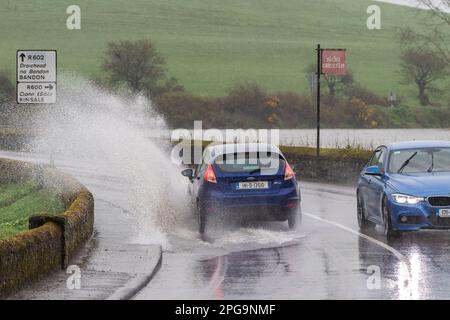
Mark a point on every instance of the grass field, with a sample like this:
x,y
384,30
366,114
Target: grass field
x,y
212,44
18,202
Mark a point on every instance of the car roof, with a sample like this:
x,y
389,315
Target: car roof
x,y
418,144
219,149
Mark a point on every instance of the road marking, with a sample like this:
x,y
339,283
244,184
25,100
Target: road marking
x,y
395,252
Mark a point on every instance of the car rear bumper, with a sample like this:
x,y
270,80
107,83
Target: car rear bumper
x,y
275,206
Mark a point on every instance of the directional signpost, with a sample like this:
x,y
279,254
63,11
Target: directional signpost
x,y
36,76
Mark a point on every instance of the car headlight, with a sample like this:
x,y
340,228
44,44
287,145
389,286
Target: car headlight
x,y
405,199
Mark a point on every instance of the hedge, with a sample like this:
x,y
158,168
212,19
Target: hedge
x,y
341,166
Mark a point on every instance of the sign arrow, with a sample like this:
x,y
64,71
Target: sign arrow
x,y
49,87
22,56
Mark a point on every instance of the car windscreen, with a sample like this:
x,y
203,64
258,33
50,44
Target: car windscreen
x,y
248,162
420,160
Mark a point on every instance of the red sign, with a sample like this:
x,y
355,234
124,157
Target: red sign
x,y
333,62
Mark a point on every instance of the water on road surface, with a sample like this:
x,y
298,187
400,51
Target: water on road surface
x,y
324,259
103,141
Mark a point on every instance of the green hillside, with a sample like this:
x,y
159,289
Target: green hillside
x,y
211,44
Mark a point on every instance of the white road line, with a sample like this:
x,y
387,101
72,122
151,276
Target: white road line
x,y
395,252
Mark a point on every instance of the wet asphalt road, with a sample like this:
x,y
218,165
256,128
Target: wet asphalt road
x,y
326,258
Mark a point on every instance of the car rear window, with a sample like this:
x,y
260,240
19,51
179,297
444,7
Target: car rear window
x,y
265,162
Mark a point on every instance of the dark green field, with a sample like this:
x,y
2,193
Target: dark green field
x,y
212,44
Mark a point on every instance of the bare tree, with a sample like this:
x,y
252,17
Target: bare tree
x,y
439,9
422,67
435,33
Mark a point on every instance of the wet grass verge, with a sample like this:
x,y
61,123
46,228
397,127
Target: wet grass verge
x,y
19,201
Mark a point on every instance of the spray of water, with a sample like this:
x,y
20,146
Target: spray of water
x,y
110,129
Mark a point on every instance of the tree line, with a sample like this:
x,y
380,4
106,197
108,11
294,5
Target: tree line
x,y
139,67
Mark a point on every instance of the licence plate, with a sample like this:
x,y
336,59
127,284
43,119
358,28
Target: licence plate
x,y
253,185
444,213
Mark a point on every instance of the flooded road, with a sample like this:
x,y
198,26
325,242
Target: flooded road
x,y
325,258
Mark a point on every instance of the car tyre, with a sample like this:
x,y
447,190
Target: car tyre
x,y
201,219
294,219
363,223
387,222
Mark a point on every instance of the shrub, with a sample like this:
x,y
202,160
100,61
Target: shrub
x,y
180,109
7,88
247,96
296,111
364,94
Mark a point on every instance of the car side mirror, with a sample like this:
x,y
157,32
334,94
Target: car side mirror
x,y
373,171
189,173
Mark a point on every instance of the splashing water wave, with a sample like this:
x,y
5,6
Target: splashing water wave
x,y
111,131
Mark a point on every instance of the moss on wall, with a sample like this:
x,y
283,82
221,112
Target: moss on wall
x,y
29,255
52,240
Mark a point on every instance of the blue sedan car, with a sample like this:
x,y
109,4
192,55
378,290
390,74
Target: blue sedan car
x,y
253,180
406,187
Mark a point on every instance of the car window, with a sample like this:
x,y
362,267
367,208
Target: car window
x,y
202,166
378,158
245,162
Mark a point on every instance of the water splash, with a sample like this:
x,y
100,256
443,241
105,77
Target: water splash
x,y
110,130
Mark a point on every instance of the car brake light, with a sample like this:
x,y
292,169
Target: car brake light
x,y
209,175
292,205
288,172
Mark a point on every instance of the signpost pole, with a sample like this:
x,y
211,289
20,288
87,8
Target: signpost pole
x,y
319,65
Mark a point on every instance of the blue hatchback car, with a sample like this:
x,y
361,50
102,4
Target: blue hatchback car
x,y
406,187
252,179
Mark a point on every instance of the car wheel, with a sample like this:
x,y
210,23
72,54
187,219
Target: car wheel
x,y
387,222
294,219
201,219
363,223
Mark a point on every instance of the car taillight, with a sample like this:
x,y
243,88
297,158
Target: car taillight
x,y
288,172
209,175
292,205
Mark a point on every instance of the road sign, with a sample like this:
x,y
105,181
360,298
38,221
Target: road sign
x,y
44,92
333,62
329,62
36,76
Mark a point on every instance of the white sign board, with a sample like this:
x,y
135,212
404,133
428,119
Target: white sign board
x,y
36,76
36,92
